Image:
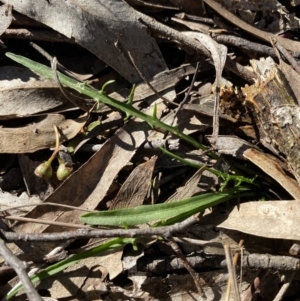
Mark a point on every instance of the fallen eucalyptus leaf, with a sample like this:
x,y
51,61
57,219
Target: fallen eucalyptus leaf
x,y
40,135
23,93
107,28
134,189
271,219
273,167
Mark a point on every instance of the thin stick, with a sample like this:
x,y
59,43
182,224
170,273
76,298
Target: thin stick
x,y
148,83
191,43
288,280
287,55
88,232
187,94
185,263
234,262
231,271
20,268
47,204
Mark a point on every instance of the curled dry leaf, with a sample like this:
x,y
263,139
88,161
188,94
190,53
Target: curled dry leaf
x,y
40,135
218,55
23,93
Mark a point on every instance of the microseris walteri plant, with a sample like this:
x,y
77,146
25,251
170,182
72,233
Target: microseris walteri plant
x,y
100,97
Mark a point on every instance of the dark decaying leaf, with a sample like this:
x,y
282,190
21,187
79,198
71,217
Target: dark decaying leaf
x,y
135,188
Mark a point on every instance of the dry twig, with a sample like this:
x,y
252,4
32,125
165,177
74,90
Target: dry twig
x,y
20,268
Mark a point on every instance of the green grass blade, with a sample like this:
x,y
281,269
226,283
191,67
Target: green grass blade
x,y
60,266
160,212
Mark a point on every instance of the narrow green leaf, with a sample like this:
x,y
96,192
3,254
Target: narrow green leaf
x,y
63,264
158,212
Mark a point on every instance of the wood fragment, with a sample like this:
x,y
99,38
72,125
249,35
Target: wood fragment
x,y
276,113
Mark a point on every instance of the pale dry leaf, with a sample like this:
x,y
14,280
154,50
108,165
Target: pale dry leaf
x,y
107,28
70,282
5,17
196,26
273,167
270,219
23,93
165,80
40,135
218,55
189,121
8,200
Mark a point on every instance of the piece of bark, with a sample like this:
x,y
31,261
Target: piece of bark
x,y
276,113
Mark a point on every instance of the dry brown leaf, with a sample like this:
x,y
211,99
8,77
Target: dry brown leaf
x,y
188,6
88,272
271,219
273,167
89,185
40,135
107,28
23,93
189,189
135,188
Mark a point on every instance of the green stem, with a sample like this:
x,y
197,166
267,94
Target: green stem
x,y
99,96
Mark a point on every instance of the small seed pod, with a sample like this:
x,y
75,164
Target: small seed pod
x,y
44,170
63,171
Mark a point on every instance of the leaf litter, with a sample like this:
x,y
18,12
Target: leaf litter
x,y
121,174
